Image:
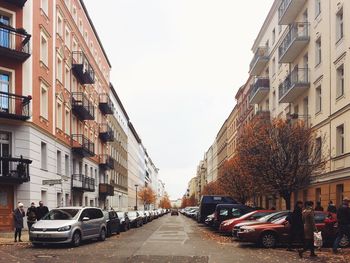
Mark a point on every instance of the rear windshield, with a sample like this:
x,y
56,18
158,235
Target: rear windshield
x,y
61,214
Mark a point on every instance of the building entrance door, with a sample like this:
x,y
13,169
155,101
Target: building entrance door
x,y
6,207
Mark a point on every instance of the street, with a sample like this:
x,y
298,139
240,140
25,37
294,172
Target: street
x,y
168,239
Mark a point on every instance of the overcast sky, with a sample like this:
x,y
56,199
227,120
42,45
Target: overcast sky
x,y
176,65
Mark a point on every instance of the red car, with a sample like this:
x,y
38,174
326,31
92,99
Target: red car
x,y
270,234
227,226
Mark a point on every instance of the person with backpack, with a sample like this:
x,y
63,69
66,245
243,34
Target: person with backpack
x,y
31,216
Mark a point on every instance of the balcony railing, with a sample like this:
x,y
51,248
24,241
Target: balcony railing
x,y
303,120
106,190
259,90
82,69
83,183
106,133
106,106
19,3
294,42
14,170
82,107
14,43
14,107
106,162
259,61
82,146
288,11
296,83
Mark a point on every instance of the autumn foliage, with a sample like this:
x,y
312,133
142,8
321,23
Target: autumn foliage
x,y
189,201
147,195
165,202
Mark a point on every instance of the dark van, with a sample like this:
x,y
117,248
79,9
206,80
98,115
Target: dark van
x,y
227,211
208,204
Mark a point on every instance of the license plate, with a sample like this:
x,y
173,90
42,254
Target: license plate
x,y
43,235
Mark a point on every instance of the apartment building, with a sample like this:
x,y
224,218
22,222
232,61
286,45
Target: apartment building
x,y
299,70
232,133
221,139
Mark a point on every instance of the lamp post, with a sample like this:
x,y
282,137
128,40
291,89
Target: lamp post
x,y
136,185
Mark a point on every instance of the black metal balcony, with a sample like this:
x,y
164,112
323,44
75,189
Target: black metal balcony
x,y
82,146
106,162
296,83
14,170
259,61
83,183
289,10
106,133
259,90
14,107
82,69
106,106
19,3
82,107
106,190
14,43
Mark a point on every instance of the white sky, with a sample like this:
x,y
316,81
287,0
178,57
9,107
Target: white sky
x,y
177,65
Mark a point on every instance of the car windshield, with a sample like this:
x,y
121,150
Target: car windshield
x,y
267,217
61,214
120,214
279,220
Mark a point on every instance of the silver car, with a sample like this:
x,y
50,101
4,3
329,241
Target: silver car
x,y
69,225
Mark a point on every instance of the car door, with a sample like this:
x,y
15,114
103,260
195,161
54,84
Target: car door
x,y
86,226
113,221
97,221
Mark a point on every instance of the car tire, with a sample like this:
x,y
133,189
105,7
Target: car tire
x,y
76,239
268,240
125,227
344,242
102,236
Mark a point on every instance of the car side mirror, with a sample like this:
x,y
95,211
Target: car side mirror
x,y
85,218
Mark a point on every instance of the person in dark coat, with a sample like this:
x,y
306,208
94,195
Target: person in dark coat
x,y
41,210
343,217
319,207
309,229
18,216
296,226
331,208
31,216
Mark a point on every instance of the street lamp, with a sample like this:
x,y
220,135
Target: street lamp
x,y
136,185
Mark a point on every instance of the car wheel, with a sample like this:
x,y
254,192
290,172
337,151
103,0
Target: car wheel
x,y
268,240
344,242
125,227
76,239
103,234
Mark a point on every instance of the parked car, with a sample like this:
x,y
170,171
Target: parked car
x,y
69,225
208,204
265,219
135,218
228,211
174,212
112,222
193,212
149,216
227,226
144,217
209,220
124,221
270,234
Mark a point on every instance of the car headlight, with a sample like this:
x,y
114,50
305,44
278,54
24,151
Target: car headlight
x,y
247,230
64,228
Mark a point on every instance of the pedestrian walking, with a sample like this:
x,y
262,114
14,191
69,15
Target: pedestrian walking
x,y
331,208
296,225
41,210
18,216
343,217
319,207
31,215
309,229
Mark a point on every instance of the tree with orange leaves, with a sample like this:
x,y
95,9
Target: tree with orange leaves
x,y
147,195
213,188
165,202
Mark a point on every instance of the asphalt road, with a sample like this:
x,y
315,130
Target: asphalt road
x,y
169,239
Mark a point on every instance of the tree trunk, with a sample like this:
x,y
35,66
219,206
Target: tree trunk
x,y
286,198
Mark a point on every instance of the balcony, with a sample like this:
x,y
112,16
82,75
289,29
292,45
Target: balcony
x,y
14,107
260,89
82,68
19,3
295,84
82,107
14,170
297,119
82,146
262,115
106,106
14,43
106,190
288,11
259,61
294,42
83,183
106,162
106,133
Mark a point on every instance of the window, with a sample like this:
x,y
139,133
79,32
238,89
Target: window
x,y
273,36
43,156
318,99
59,24
318,149
340,81
59,162
59,68
75,14
318,51
75,45
273,66
44,49
67,37
317,8
66,164
340,25
81,26
67,122
44,98
45,6
67,79
274,100
340,139
59,115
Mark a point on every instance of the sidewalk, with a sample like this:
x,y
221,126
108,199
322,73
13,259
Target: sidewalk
x,y
7,238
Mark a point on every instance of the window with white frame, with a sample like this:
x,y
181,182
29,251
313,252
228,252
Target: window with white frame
x,y
340,25
44,49
59,25
75,14
43,153
67,122
74,84
318,51
45,6
66,164
317,8
75,45
273,66
273,36
59,114
67,37
318,99
340,140
59,162
274,100
59,68
340,81
44,100
67,78
81,26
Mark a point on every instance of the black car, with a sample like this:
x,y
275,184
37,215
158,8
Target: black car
x,y
112,222
174,212
124,221
144,216
149,216
227,211
208,204
135,218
